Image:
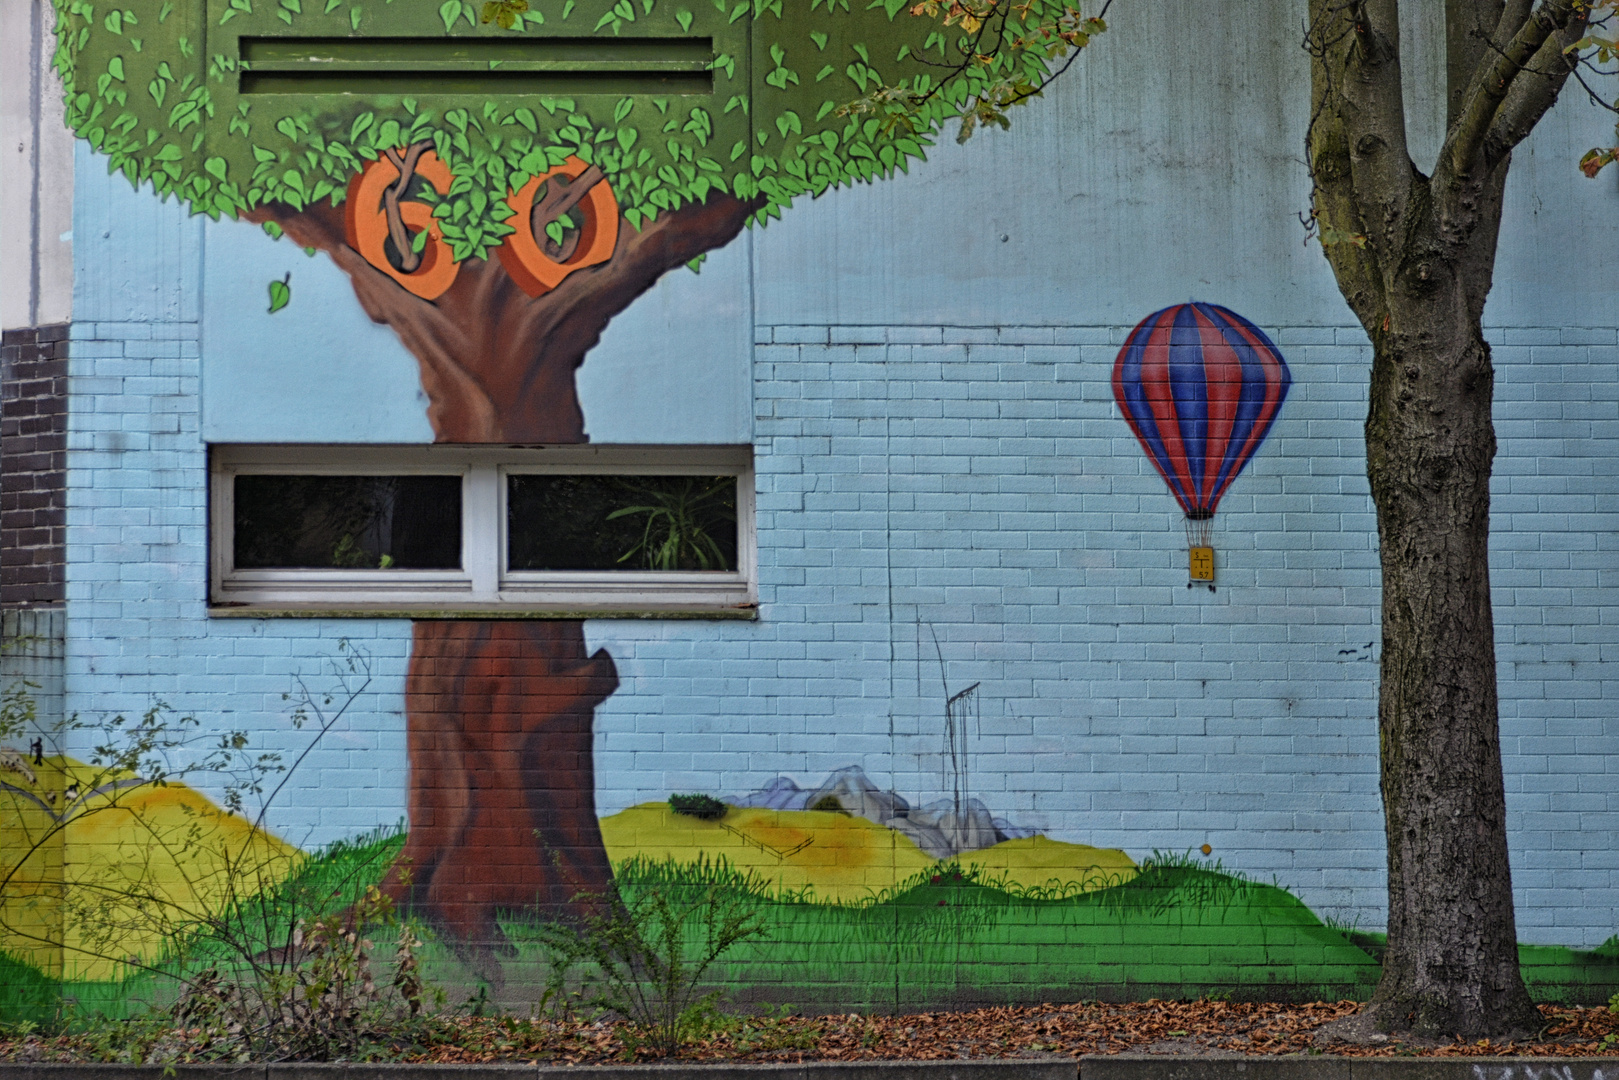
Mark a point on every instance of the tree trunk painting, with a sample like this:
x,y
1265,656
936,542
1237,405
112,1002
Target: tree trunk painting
x,y
502,792
499,713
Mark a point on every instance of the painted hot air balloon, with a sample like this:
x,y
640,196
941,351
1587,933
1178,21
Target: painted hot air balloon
x,y
1200,386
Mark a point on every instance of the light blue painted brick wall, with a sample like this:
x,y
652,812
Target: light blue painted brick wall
x,y
978,486
136,630
975,482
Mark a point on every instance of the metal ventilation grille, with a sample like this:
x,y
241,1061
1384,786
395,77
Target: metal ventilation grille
x,y
551,66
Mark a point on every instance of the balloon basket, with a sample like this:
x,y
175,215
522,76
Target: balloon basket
x,y
1200,552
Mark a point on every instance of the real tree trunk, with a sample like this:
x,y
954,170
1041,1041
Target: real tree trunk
x,y
1451,966
1414,256
499,713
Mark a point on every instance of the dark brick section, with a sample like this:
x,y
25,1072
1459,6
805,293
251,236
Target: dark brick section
x,y
33,465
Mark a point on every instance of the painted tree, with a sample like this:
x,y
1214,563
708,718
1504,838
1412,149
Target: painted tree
x,y
498,183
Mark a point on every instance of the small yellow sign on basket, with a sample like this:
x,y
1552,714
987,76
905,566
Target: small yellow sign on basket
x,y
1202,564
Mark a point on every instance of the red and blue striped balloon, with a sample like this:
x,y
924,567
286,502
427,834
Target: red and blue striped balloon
x,y
1200,386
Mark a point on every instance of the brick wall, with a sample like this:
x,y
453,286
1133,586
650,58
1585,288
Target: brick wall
x,y
33,463
137,580
978,485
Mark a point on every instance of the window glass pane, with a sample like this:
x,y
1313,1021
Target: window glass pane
x,y
348,522
592,522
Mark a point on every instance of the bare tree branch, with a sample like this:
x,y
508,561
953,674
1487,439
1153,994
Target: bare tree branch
x,y
1472,29
1492,83
1363,174
1533,92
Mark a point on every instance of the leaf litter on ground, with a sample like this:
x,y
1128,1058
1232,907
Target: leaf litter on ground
x,y
1068,1030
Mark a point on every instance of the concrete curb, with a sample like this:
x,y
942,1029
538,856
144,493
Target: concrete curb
x,y
1327,1067
1048,1068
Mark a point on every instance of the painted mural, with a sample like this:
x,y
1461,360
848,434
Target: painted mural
x,y
496,208
1200,386
498,184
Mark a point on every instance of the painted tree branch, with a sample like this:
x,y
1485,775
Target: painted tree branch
x,y
497,364
409,258
560,197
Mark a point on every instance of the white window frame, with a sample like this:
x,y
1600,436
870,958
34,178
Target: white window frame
x,y
482,587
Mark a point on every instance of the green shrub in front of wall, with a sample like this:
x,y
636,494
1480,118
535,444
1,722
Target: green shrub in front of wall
x,y
805,95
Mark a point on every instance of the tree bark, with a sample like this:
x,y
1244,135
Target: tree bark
x,y
1414,256
498,713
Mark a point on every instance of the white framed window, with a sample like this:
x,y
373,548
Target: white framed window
x,y
465,531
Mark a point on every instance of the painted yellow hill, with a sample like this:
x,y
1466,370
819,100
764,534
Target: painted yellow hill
x,y
1041,862
104,872
843,859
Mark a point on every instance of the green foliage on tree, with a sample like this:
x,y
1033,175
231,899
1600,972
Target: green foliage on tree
x,y
805,94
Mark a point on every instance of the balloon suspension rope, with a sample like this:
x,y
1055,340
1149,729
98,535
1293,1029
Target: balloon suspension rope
x,y
1200,531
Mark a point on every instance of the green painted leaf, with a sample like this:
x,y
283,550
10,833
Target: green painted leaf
x,y
684,17
354,18
115,68
449,11
280,291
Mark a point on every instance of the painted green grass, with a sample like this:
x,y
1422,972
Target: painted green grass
x,y
1178,929
325,884
1553,973
1181,928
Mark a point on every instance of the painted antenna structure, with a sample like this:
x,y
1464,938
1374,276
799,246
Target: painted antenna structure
x,y
1200,386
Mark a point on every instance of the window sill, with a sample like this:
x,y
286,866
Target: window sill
x,y
744,612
